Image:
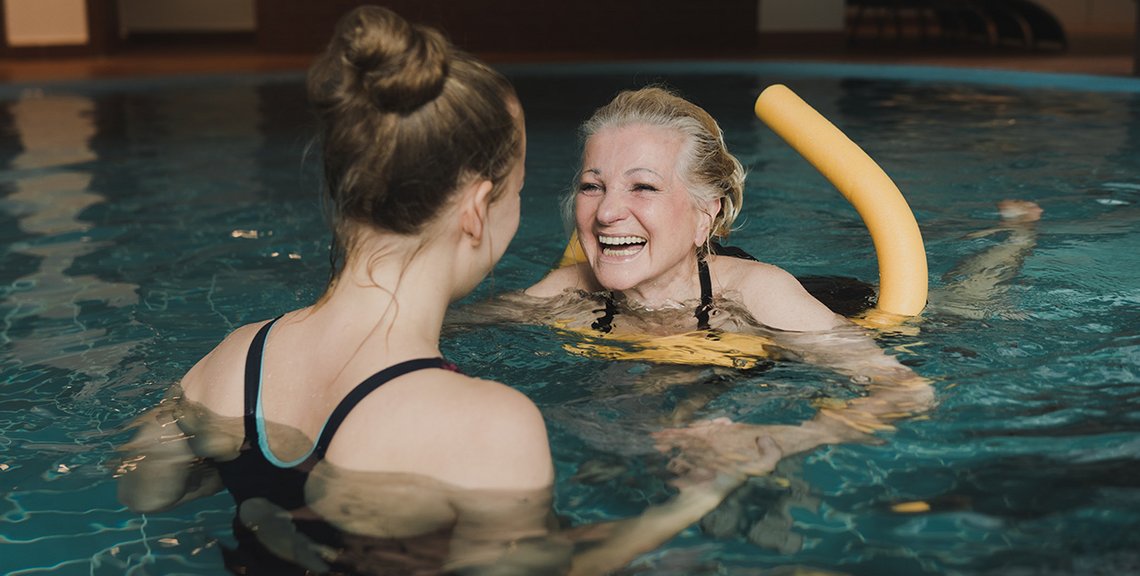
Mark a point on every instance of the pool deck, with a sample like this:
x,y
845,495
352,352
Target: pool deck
x,y
1114,60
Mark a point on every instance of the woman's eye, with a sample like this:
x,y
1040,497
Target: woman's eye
x,y
642,187
589,188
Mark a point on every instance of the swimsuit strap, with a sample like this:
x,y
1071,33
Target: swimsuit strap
x,y
702,312
732,251
605,323
253,379
253,362
365,388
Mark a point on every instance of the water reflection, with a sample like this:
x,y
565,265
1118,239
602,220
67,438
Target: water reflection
x,y
52,188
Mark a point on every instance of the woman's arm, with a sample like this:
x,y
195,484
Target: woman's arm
x,y
163,464
506,308
604,547
504,527
159,468
970,289
508,533
891,391
553,297
703,487
894,391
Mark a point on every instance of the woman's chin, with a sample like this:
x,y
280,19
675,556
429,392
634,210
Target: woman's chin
x,y
616,282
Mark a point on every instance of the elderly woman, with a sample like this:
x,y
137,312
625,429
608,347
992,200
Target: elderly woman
x,y
657,187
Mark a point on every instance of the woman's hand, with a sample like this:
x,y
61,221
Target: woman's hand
x,y
718,453
723,451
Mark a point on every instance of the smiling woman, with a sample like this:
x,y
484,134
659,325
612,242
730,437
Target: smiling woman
x,y
657,189
630,191
657,186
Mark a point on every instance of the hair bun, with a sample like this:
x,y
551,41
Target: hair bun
x,y
399,66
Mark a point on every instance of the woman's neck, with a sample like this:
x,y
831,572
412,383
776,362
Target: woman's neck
x,y
675,289
391,293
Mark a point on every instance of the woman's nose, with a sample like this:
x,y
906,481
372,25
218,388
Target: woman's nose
x,y
612,208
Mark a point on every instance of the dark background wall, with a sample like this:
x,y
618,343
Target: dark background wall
x,y
536,26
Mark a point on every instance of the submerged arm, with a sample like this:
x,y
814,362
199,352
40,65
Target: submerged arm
x,y
496,538
702,489
160,469
530,306
508,308
892,391
509,533
977,279
809,332
599,548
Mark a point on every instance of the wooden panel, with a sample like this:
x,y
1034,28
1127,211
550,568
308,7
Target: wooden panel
x,y
102,35
36,23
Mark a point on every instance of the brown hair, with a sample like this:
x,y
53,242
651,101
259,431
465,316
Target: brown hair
x,y
406,119
709,169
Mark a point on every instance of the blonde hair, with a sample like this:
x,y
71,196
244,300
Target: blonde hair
x,y
709,170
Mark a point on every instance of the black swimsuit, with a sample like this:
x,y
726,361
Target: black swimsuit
x,y
258,473
605,323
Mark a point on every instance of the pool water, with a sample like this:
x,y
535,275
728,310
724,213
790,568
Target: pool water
x,y
140,221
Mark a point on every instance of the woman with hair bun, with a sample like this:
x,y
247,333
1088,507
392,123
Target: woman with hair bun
x,y
355,384
348,443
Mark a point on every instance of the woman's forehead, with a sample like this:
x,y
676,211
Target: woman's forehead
x,y
622,149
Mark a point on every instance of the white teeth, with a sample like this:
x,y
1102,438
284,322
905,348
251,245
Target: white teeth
x,y
618,240
621,252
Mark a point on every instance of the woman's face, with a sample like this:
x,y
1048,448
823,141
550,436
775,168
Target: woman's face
x,y
636,220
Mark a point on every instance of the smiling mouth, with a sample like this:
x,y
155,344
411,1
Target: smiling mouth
x,y
621,245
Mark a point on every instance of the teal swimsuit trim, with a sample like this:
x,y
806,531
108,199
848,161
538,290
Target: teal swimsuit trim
x,y
336,418
259,415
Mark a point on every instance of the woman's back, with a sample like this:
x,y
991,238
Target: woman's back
x,y
432,421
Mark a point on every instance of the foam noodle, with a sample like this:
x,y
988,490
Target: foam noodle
x,y
898,242
573,253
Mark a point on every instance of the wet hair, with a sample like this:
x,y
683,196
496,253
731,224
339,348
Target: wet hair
x,y
707,167
405,120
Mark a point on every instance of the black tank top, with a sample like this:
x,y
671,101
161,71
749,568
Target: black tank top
x,y
256,472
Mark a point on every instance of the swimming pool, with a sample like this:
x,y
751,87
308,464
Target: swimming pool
x,y
144,219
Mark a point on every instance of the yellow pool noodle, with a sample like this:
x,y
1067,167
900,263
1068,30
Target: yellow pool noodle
x,y
573,253
894,231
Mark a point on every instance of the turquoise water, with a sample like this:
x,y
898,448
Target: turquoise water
x,y
140,221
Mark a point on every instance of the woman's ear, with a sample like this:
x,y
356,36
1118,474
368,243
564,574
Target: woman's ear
x,y
707,218
476,206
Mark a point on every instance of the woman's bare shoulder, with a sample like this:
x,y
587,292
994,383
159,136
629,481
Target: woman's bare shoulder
x,y
501,416
561,279
215,374
750,275
467,431
775,297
